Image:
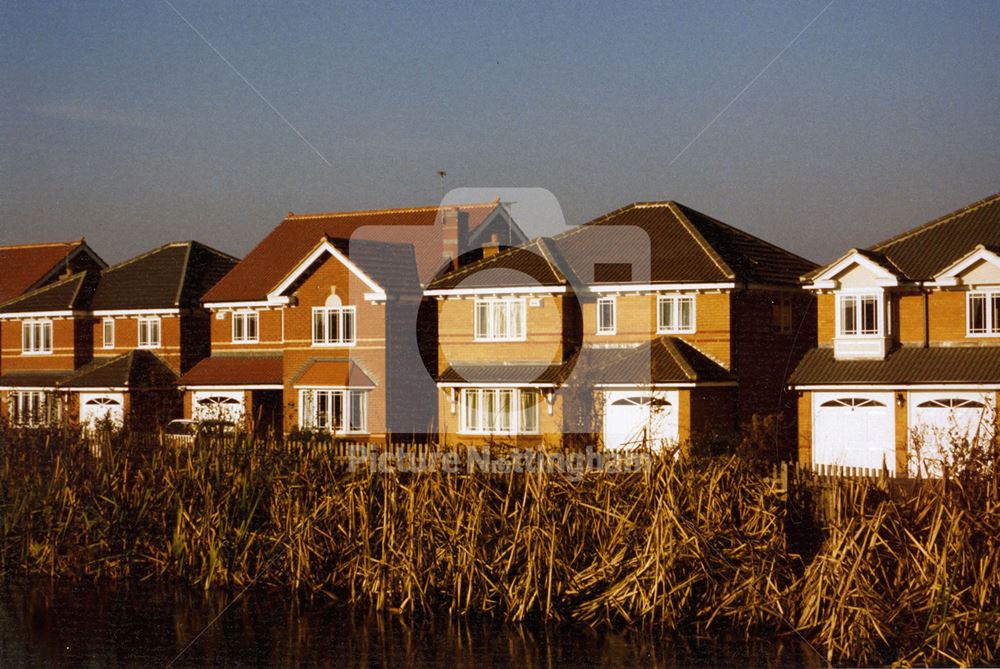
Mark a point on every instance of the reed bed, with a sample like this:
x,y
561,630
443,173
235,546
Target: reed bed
x,y
906,574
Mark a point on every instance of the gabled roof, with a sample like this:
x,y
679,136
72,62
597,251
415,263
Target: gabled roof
x,y
278,253
906,365
235,371
877,263
172,276
69,294
685,246
28,266
663,360
537,263
138,368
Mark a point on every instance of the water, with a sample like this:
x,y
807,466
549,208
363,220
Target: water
x,y
65,623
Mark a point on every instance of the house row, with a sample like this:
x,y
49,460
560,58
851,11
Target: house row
x,y
653,324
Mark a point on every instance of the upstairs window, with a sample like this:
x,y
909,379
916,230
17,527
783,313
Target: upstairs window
x,y
245,327
149,332
606,316
859,315
675,314
36,337
108,333
333,326
781,314
983,309
500,319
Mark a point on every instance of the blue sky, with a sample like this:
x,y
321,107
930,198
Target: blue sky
x,y
119,123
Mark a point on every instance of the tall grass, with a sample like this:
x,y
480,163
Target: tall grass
x,y
905,574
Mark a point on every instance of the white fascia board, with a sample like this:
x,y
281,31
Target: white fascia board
x,y
448,384
22,315
854,387
949,275
822,285
324,247
249,304
856,258
136,312
376,296
330,387
235,386
496,290
687,384
105,389
659,287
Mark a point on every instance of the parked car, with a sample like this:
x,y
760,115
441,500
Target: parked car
x,y
185,431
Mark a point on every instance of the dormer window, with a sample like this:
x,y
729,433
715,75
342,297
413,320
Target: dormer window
x,y
860,315
983,313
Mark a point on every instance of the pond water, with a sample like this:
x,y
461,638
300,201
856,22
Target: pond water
x,y
67,623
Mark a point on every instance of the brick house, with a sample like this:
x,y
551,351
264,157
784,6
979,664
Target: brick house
x,y
317,327
30,266
908,355
109,343
651,324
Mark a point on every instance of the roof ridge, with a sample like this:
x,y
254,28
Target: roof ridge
x,y
94,365
291,216
145,254
184,276
36,245
462,271
599,220
700,239
924,227
77,276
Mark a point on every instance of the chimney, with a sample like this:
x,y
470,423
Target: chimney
x,y
454,234
491,248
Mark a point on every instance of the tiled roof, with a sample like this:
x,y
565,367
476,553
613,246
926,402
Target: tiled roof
x,y
172,276
24,266
139,368
33,379
234,371
274,257
392,266
474,372
663,360
70,293
685,246
337,372
907,365
536,263
924,251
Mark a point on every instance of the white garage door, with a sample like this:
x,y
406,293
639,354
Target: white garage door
x,y
640,418
95,408
854,430
940,421
218,405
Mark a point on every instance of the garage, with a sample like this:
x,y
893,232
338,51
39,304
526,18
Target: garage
x,y
218,405
640,418
96,408
939,420
854,430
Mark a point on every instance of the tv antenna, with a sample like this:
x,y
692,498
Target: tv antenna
x,y
442,174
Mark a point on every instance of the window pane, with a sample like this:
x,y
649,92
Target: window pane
x,y
482,320
251,327
505,410
470,402
514,322
977,313
358,401
238,327
333,334
685,316
666,313
529,411
869,315
489,411
848,315
308,409
318,320
348,319
337,415
322,409
499,326
995,313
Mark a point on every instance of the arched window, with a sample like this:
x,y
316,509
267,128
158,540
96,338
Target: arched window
x,y
852,402
641,400
218,401
950,403
103,402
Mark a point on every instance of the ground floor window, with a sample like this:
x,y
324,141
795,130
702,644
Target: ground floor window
x,y
499,410
32,408
335,410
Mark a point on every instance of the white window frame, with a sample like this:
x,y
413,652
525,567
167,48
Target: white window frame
x,y
516,329
107,324
991,326
149,322
40,406
36,336
604,328
510,423
342,338
245,317
857,296
675,302
350,398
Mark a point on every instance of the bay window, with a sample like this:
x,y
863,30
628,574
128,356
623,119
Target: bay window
x,y
31,408
983,313
859,314
36,336
333,326
675,314
500,319
499,410
149,332
334,410
245,327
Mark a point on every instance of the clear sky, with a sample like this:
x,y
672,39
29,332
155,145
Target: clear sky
x,y
119,123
